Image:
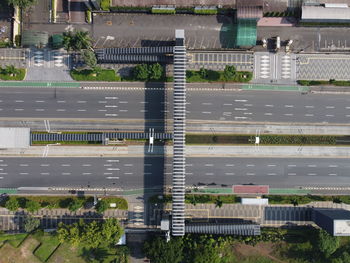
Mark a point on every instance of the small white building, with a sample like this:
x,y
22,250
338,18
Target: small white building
x,y
326,13
14,137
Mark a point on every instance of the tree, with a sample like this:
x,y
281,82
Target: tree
x,y
203,73
229,72
160,251
218,202
206,254
327,244
10,70
140,72
32,206
155,71
90,58
23,4
77,41
111,230
101,206
76,204
12,204
31,223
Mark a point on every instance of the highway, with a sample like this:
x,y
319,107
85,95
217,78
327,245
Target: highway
x,y
150,104
147,172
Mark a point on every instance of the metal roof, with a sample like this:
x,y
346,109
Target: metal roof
x,y
246,33
14,137
324,13
224,229
334,214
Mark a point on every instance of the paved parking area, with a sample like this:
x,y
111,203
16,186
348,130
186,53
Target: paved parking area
x,y
274,67
16,57
323,66
39,13
136,30
218,60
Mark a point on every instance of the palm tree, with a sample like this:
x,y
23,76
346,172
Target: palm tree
x,y
77,41
11,70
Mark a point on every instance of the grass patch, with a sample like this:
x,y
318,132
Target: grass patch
x,y
13,239
163,11
4,44
217,76
48,244
88,16
105,5
19,76
120,202
305,199
91,75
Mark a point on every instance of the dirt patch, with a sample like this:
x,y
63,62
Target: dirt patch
x,y
24,253
264,249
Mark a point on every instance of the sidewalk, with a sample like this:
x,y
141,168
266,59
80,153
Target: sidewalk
x,y
191,151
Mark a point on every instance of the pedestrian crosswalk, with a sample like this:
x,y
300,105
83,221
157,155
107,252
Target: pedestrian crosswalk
x,y
48,58
286,67
136,216
265,67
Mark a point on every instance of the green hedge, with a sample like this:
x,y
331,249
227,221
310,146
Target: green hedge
x,y
217,76
20,76
163,11
324,82
130,9
4,44
205,11
105,5
298,139
66,142
305,199
88,75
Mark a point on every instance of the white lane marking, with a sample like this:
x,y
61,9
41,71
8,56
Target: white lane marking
x,y
113,161
81,101
111,98
128,173
61,101
23,173
268,113
66,173
250,165
240,100
128,164
207,103
1,177
230,165
61,110
102,101
143,102
206,112
81,110
108,165
240,109
65,164
143,110
209,164
229,173
311,174
269,105
332,165
111,115
19,101
250,173
288,114
309,115
113,169
39,109
348,116
330,107
209,173
332,174
23,164
271,174
123,102
86,164
186,173
292,174
126,110
44,165
248,105
3,165
107,173
289,106
44,173
19,109
86,173
112,177
188,164
102,110
111,106
271,165
39,101
227,104
309,106
311,165
329,115
241,118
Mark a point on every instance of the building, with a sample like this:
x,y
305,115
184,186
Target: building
x,y
325,13
335,221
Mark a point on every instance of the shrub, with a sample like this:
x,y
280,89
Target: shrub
x,y
31,223
105,5
140,72
163,11
102,206
205,11
76,204
155,71
12,204
229,72
94,75
32,206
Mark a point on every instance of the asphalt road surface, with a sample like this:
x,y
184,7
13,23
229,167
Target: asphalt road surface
x,y
134,173
153,104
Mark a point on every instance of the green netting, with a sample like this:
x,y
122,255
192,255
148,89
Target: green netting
x,y
35,38
246,32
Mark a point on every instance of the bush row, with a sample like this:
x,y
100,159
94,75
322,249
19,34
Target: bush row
x,y
324,82
163,11
205,11
73,203
207,75
93,75
298,139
